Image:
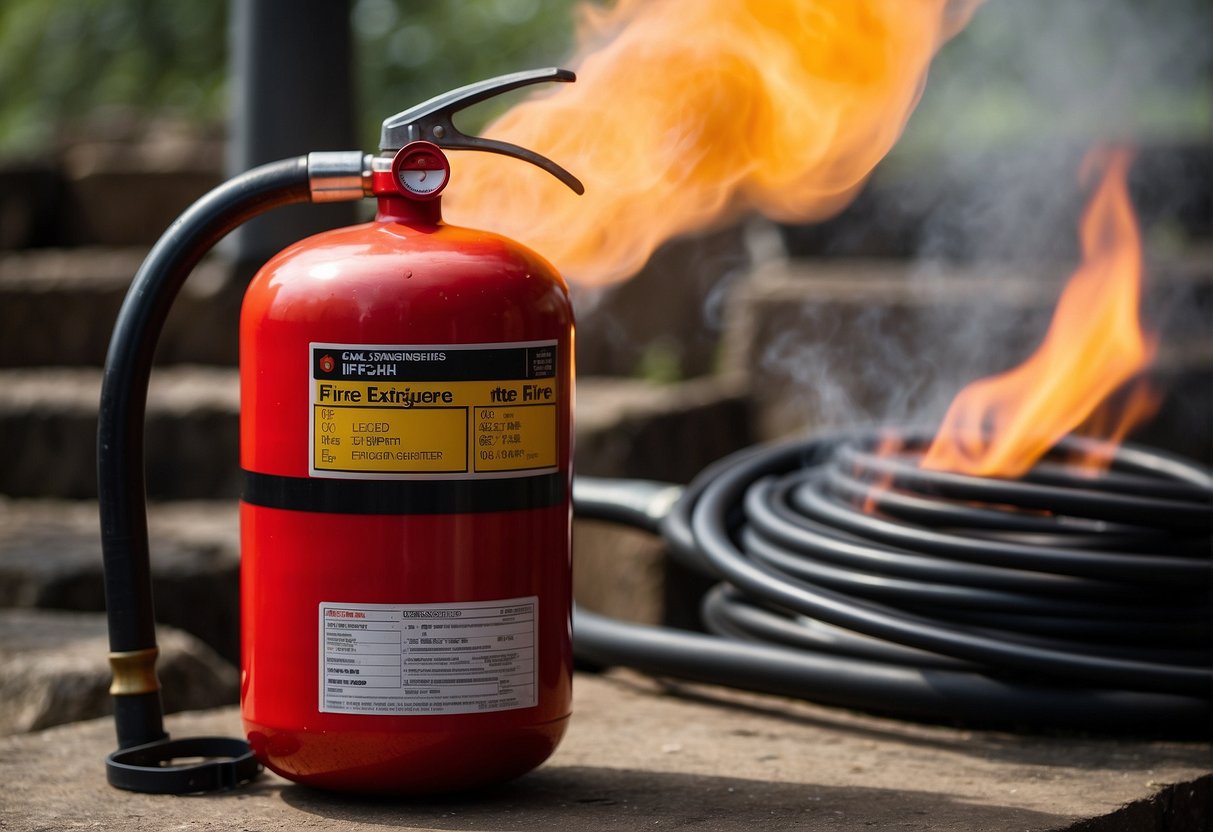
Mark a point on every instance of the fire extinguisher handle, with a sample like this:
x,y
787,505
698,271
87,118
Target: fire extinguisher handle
x,y
432,121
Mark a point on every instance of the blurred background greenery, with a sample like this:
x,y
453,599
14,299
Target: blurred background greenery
x,y
1071,71
1018,69
65,64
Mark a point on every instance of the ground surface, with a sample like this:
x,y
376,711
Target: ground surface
x,y
637,757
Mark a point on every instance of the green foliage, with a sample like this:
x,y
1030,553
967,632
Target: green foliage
x,y
1021,68
1081,69
64,60
660,363
410,50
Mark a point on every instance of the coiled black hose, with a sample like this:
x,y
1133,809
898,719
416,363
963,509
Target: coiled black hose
x,y
1059,600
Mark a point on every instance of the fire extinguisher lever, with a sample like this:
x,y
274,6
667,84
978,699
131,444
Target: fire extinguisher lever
x,y
432,121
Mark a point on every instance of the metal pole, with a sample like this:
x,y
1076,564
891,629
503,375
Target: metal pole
x,y
292,93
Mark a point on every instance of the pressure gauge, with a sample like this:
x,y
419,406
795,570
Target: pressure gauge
x,y
421,170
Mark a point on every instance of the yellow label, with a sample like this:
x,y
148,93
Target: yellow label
x,y
509,437
379,412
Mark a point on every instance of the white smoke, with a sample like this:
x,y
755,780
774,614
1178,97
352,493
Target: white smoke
x,y
983,199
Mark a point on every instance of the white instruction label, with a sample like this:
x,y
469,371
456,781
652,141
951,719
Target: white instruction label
x,y
458,658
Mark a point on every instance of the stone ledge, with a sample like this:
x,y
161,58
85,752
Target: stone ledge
x,y
827,343
58,307
663,432
628,428
48,426
149,178
50,558
619,572
48,432
56,671
635,756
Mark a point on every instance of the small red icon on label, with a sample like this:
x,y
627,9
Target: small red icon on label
x,y
327,364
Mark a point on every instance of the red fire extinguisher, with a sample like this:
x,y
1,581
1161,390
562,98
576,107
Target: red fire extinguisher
x,y
406,409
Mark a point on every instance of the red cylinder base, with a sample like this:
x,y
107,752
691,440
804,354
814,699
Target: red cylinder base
x,y
412,760
363,562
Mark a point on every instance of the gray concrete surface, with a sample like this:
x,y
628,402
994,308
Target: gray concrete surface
x,y
636,757
50,558
58,307
837,343
630,428
619,571
56,670
153,174
48,430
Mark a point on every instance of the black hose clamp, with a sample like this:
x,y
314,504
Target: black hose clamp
x,y
142,768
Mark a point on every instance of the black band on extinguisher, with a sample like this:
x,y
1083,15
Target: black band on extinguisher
x,y
337,496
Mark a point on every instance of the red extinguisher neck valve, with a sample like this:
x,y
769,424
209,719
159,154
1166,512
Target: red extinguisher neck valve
x,y
395,208
409,184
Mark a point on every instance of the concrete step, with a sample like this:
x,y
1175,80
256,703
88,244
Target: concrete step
x,y
837,343
50,551
48,430
50,558
58,307
56,670
638,757
1011,202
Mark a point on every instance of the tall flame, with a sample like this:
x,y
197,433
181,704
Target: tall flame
x,y
685,114
1000,426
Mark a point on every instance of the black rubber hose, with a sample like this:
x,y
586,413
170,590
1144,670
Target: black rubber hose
x,y
919,692
938,596
120,468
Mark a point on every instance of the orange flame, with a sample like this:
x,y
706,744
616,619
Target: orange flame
x,y
889,443
685,114
1000,426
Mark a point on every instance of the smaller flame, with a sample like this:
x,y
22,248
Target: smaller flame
x,y
890,443
1108,426
1001,425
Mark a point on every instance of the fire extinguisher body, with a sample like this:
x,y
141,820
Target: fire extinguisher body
x,y
406,411
406,444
